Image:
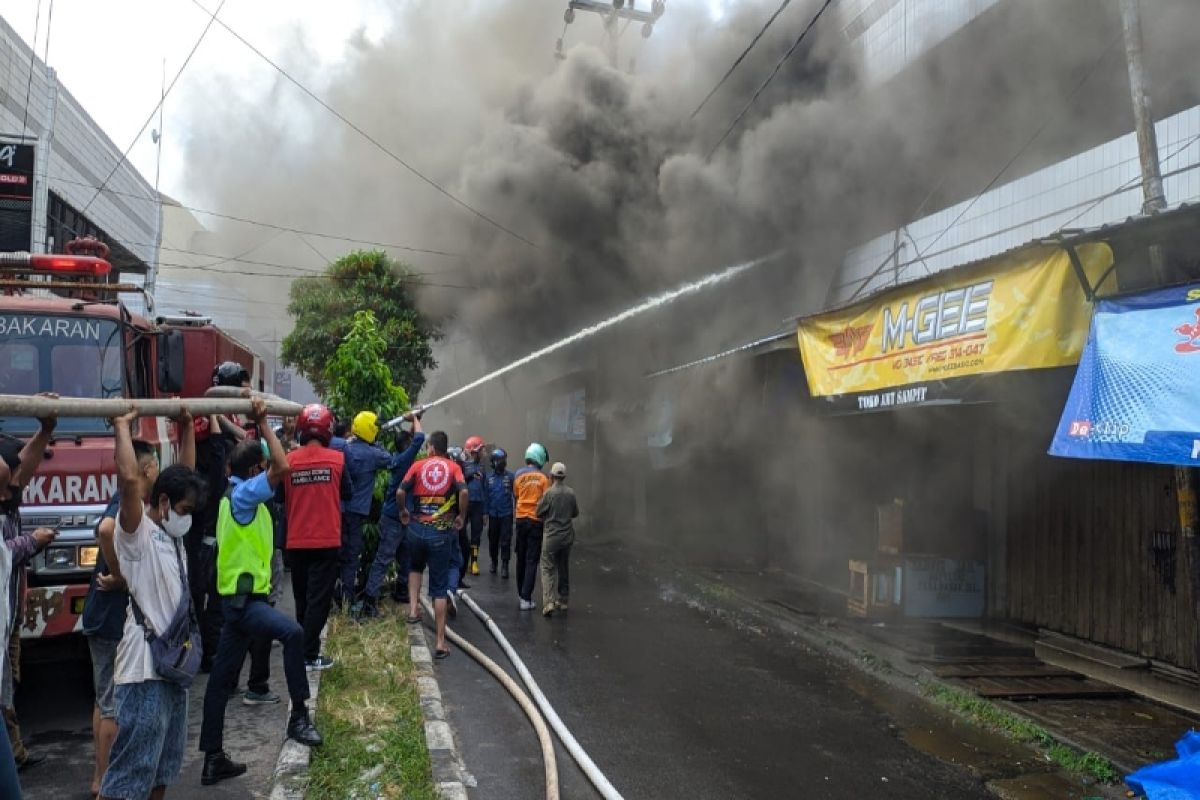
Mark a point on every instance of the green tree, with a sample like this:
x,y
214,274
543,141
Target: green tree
x,y
358,375
324,308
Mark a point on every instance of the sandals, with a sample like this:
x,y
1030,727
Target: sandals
x,y
413,620
440,654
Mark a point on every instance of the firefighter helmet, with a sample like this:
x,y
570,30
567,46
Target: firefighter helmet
x,y
537,454
499,460
315,422
365,426
473,445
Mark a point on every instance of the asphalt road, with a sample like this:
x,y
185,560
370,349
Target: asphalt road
x,y
54,705
672,702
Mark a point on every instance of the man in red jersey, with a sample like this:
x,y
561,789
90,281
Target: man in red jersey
x,y
312,493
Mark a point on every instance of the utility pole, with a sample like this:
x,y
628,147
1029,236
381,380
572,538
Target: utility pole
x,y
611,13
1155,200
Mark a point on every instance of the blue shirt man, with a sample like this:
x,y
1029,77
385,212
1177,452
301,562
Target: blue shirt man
x,y
392,544
499,504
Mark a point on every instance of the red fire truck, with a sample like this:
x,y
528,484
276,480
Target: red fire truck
x,y
62,329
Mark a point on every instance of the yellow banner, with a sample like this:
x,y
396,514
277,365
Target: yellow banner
x,y
1024,310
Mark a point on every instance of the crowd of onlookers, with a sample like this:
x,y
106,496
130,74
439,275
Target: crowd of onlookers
x,y
192,560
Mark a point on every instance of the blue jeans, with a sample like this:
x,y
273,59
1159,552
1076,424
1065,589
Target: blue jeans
x,y
257,621
352,545
9,785
432,547
459,548
392,545
151,735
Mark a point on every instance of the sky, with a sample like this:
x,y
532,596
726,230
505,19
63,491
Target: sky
x,y
135,39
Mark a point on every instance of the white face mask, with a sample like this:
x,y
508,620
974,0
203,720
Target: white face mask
x,y
176,525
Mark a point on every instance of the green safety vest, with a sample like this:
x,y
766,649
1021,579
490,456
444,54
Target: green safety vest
x,y
244,548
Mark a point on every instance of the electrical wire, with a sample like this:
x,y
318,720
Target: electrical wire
x,y
740,58
922,254
162,98
261,224
37,23
368,137
771,77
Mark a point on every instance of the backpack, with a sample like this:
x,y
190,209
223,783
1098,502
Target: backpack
x,y
176,651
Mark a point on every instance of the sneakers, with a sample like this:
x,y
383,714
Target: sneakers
x,y
527,605
492,569
504,570
451,606
319,663
303,731
219,766
259,698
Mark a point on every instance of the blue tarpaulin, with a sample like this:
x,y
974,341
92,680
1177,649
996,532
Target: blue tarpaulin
x,y
1172,780
1136,395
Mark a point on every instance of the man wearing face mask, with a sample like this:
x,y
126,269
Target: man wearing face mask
x,y
151,712
18,462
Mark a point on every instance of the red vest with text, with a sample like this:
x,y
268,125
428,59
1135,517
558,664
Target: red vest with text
x,y
312,498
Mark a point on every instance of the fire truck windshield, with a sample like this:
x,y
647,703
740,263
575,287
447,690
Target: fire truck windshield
x,y
75,356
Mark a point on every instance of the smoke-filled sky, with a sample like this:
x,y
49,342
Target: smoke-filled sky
x,y
603,170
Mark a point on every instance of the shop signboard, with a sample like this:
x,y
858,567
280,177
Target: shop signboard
x,y
1019,311
16,196
1136,395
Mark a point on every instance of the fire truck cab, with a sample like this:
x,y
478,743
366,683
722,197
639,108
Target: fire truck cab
x,y
64,330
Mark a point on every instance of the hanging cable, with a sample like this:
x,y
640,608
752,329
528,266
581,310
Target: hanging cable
x,y
375,142
125,155
812,22
37,22
740,58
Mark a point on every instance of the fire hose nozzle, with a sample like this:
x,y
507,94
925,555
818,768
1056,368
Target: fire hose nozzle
x,y
417,412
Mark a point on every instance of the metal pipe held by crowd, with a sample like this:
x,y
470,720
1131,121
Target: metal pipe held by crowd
x,y
19,405
606,789
240,393
539,725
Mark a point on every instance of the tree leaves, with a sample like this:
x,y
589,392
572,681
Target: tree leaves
x,y
325,309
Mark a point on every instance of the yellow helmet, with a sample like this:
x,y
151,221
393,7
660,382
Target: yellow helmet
x,y
365,426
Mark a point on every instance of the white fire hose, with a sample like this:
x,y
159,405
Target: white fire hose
x,y
15,405
584,761
539,725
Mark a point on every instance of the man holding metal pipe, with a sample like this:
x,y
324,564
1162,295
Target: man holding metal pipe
x,y
18,462
440,498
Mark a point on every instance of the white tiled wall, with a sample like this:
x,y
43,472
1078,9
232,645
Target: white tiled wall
x,y
891,34
82,155
1095,187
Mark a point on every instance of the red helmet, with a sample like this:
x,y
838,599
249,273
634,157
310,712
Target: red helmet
x,y
473,444
316,422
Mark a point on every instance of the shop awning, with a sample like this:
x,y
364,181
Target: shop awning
x,y
1136,395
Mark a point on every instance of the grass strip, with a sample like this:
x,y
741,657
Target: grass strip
x,y
369,712
1020,729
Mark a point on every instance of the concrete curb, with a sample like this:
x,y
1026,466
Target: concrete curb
x,y
290,779
449,772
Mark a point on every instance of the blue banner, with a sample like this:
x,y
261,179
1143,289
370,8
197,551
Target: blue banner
x,y
1136,395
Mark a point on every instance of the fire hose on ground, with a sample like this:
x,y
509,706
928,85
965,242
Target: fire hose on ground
x,y
589,768
539,724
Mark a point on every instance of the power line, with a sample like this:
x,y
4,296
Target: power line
x,y
261,224
740,58
311,276
378,145
162,98
771,77
37,22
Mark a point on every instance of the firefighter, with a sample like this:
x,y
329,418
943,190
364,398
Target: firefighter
x,y
529,484
498,504
475,475
312,495
364,459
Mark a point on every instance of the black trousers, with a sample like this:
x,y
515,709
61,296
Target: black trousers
x,y
475,522
314,574
500,532
529,556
